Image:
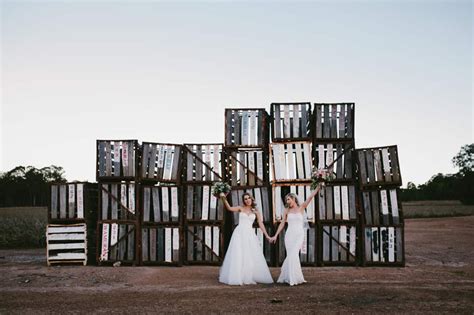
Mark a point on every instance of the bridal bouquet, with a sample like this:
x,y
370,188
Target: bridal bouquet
x,y
220,187
321,176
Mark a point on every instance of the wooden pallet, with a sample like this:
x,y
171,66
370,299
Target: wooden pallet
x,y
333,122
204,244
262,200
160,162
337,202
247,167
291,121
381,206
201,205
161,245
308,253
302,190
66,243
203,162
338,156
70,202
383,245
161,204
246,127
118,201
117,241
116,159
339,244
378,166
291,161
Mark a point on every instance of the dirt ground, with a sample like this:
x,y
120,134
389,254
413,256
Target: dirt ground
x,y
438,278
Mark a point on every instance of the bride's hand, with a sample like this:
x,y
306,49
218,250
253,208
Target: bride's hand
x,y
222,195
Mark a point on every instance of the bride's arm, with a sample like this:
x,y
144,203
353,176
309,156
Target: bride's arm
x,y
227,205
310,197
260,224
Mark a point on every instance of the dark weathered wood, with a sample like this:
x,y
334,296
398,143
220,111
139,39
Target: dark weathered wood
x,y
326,124
237,127
342,121
375,207
362,167
228,126
350,121
370,166
318,123
394,164
352,205
333,121
329,203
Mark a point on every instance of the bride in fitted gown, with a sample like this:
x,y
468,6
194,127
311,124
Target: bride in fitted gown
x,y
244,262
291,272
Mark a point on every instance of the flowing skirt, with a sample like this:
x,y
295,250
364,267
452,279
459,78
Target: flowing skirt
x,y
291,272
244,262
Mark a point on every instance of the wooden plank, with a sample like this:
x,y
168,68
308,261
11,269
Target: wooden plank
x,y
291,161
108,159
51,229
258,200
213,208
296,121
176,160
337,202
368,244
80,200
286,121
102,158
131,242
233,161
68,256
189,202
378,166
311,244
299,161
62,201
189,166
208,243
235,201
54,201
278,204
375,208
198,203
394,164
310,209
333,121
131,198
71,204
116,159
330,156
322,204
190,243
113,202
145,244
394,206
147,169
160,165
386,165
363,172
343,241
261,128
326,243
66,246
350,123
321,160
307,160
367,207
251,168
384,202
237,130
105,242
131,157
319,125
168,163
152,233
146,204
391,244
216,164
342,118
228,126
260,167
165,204
253,128
345,202
160,234
370,166
208,161
122,246
245,128
305,113
383,244
199,164
156,204
352,205
242,170
265,203
326,125
199,245
352,242
339,171
174,204
375,244
105,201
175,244
329,203
205,203
334,244
348,163
168,245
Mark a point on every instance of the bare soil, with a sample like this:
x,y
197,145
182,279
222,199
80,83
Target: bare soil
x,y
438,278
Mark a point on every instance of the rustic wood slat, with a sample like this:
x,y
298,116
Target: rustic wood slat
x,y
394,206
386,165
165,204
199,164
176,248
189,202
375,244
108,159
102,158
54,201
299,161
205,203
131,242
342,118
368,244
343,241
296,121
229,126
153,244
260,128
348,163
213,208
334,243
242,166
251,168
305,114
291,162
245,128
71,200
339,172
113,202
145,245
352,206
326,124
399,244
146,204
319,125
384,202
370,166
168,248
233,162
352,243
326,244
350,123
391,244
237,127
363,172
286,121
333,121
277,122
62,201
105,201
345,202
375,207
329,203
322,203
367,207
116,159
337,202
394,164
307,160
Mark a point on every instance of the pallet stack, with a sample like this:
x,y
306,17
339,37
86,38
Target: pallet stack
x,y
161,230
292,164
204,214
246,167
70,234
338,220
382,224
118,215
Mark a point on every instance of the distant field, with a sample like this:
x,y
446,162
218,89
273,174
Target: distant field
x,y
23,227
436,208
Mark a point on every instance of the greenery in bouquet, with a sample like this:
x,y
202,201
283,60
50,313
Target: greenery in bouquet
x,y
321,176
220,187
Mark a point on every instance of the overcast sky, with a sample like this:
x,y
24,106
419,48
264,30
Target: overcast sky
x,y
75,72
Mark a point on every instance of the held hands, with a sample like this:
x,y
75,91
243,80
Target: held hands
x,y
272,239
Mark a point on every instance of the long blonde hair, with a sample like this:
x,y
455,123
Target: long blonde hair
x,y
292,196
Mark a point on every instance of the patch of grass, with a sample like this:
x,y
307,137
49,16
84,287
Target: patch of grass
x,y
22,232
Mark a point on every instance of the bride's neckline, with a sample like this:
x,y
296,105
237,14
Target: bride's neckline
x,y
247,214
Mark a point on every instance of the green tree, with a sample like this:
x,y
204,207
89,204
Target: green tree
x,y
465,159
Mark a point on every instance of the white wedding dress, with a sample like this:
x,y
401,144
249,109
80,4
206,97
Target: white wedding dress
x,y
291,272
244,262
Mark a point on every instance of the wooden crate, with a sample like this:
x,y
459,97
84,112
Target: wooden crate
x,y
160,162
308,252
339,156
116,159
246,167
161,245
378,166
383,245
339,243
161,203
118,201
381,207
203,163
246,127
302,190
72,202
291,161
333,122
66,243
262,200
201,205
204,244
337,202
291,121
117,241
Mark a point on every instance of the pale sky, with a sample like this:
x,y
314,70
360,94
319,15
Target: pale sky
x,y
73,72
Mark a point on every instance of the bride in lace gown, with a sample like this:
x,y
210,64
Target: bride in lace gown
x,y
244,262
294,214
